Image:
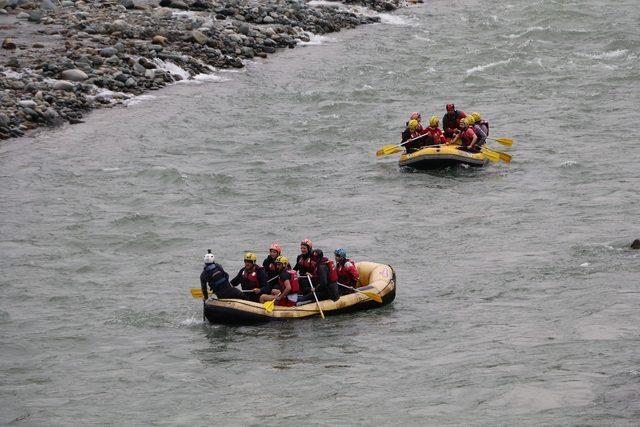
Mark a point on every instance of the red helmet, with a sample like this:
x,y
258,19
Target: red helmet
x,y
451,107
275,247
307,243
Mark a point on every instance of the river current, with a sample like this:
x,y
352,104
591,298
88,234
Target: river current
x,y
517,293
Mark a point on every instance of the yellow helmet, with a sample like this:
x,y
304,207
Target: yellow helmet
x,y
434,121
413,125
469,120
250,256
476,117
282,260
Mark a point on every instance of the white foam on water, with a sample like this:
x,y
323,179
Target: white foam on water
x,y
114,169
317,39
389,19
527,31
138,99
192,321
210,78
172,68
422,38
481,68
585,264
569,163
614,54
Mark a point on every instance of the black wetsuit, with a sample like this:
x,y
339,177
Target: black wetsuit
x,y
261,278
217,279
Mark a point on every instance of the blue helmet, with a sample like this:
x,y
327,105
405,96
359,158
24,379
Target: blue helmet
x,y
340,252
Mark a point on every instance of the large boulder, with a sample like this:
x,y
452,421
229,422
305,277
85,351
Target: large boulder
x,y
197,37
74,75
635,244
108,52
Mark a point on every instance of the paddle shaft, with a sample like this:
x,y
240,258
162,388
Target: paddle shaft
x,y
315,296
371,295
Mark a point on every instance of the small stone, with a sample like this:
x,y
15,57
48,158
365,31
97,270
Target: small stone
x,y
38,45
74,75
179,4
108,52
4,120
22,15
52,117
146,63
268,20
244,29
13,62
131,82
635,244
159,40
150,74
197,37
27,103
8,44
118,26
128,4
63,85
35,16
47,5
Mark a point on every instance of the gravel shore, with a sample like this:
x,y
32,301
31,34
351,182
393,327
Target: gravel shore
x,y
59,60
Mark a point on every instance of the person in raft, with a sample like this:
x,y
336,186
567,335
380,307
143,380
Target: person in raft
x,y
467,137
478,130
406,133
434,131
269,263
252,278
285,293
303,263
347,272
451,121
324,277
213,276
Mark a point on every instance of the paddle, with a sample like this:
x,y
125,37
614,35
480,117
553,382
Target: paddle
x,y
371,295
315,296
395,148
501,155
197,292
504,141
488,154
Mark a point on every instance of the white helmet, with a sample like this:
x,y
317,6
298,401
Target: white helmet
x,y
209,258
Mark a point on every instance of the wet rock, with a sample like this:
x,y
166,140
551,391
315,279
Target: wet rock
x,y
118,26
159,40
74,75
128,4
108,52
635,244
47,5
38,45
9,44
13,62
4,120
197,37
63,85
146,63
52,117
27,103
22,15
268,20
35,16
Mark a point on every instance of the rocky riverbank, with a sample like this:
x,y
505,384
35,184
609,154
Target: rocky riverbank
x,y
61,59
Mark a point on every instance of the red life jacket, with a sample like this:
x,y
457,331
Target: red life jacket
x,y
305,265
293,281
467,136
347,275
250,280
333,273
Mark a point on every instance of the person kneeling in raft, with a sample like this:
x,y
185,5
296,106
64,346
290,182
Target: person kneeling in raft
x,y
252,278
325,278
213,276
285,293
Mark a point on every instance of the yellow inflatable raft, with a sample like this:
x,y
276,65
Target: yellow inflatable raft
x,y
441,156
377,278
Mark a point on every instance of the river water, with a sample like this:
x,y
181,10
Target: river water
x,y
517,294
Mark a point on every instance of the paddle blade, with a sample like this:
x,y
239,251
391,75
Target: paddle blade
x,y
505,141
505,157
196,293
493,157
388,149
269,306
373,296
